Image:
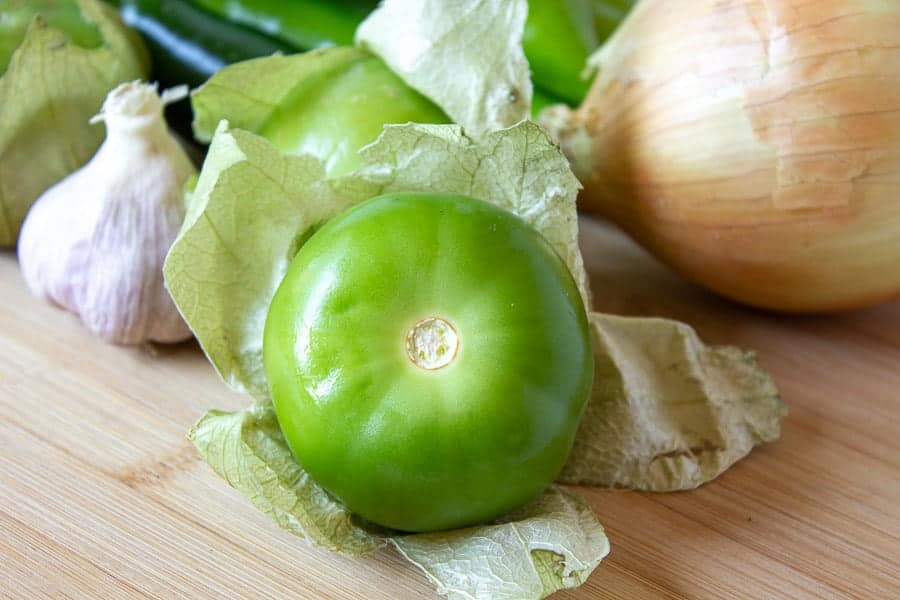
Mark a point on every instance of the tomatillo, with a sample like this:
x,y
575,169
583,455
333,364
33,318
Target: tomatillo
x,y
429,360
344,108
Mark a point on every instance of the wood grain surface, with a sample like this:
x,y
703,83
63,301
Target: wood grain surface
x,y
101,496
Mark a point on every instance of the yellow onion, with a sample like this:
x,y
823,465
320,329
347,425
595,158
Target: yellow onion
x,y
753,145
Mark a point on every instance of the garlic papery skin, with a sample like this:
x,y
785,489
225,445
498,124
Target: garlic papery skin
x,y
95,242
754,146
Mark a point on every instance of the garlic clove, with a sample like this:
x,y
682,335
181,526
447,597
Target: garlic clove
x,y
94,243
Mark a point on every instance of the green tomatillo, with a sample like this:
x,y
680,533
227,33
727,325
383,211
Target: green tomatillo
x,y
328,103
429,360
343,109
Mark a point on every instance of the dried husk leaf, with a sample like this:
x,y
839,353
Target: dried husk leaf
x,y
666,411
465,56
48,94
553,543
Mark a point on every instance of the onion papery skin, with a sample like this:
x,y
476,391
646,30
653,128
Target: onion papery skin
x,y
754,146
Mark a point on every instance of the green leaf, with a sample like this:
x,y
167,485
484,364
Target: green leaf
x,y
466,57
50,90
251,91
667,412
253,207
553,543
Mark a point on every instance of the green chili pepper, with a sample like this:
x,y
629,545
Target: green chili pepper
x,y
16,15
608,14
304,24
541,100
559,37
188,44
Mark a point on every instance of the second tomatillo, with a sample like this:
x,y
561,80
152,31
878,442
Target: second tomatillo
x,y
328,103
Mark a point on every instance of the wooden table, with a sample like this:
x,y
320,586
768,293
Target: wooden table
x,y
102,496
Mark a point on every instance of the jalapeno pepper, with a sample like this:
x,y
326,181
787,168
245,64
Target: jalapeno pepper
x,y
559,37
608,14
188,44
303,24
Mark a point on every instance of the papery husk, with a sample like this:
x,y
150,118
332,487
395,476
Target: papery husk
x,y
49,92
753,146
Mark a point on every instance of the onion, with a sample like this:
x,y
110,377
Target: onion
x,y
753,145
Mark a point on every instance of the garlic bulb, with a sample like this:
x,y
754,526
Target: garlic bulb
x,y
95,242
753,146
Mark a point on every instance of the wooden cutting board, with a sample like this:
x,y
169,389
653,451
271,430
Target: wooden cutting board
x,y
101,496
